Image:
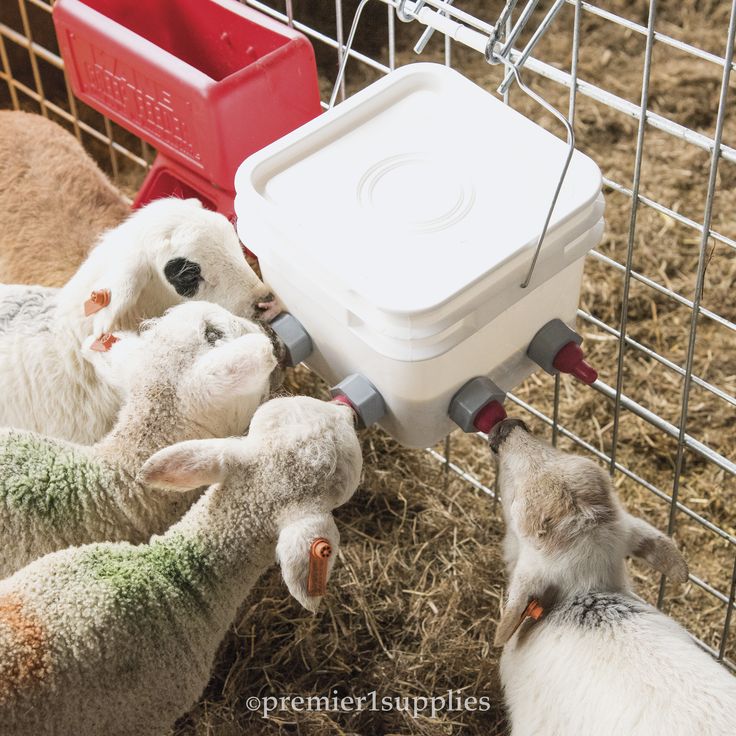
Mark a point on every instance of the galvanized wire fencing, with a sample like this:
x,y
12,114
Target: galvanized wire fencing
x,y
664,413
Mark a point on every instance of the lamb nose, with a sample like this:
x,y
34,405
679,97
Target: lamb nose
x,y
502,430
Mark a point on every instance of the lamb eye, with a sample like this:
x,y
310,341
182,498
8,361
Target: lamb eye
x,y
212,334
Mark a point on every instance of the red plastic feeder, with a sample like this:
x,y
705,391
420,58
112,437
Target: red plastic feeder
x,y
206,82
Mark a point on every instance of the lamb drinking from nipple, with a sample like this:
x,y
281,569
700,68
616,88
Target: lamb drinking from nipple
x,y
169,252
119,640
582,655
197,372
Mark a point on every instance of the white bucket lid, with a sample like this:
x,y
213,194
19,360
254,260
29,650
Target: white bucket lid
x,y
417,200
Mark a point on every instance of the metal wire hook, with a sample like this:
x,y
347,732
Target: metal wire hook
x,y
346,52
402,15
499,31
492,48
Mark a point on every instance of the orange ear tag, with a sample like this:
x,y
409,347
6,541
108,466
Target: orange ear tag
x,y
534,611
319,556
97,300
104,342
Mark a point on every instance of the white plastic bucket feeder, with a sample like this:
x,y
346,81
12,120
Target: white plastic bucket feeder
x,y
398,228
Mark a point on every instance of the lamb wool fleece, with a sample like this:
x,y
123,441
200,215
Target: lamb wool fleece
x,y
54,495
119,640
44,478
97,626
196,372
54,201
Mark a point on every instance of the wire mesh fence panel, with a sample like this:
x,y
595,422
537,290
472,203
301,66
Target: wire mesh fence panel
x,y
649,91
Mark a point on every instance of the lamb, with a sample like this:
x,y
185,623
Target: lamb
x,y
119,640
54,201
166,253
581,654
197,372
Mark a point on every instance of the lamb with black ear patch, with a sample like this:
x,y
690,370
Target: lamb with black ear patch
x,y
197,372
170,251
599,660
184,275
118,640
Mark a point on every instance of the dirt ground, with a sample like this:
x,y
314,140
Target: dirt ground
x,y
416,594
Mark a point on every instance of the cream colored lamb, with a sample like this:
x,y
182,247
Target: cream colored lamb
x,y
166,253
54,201
196,372
118,640
599,661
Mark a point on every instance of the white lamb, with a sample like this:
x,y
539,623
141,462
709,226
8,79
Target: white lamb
x,y
196,372
166,253
598,661
119,640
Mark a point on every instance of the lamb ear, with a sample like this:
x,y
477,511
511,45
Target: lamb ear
x,y
239,367
191,464
522,589
125,284
656,549
510,621
298,543
115,366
